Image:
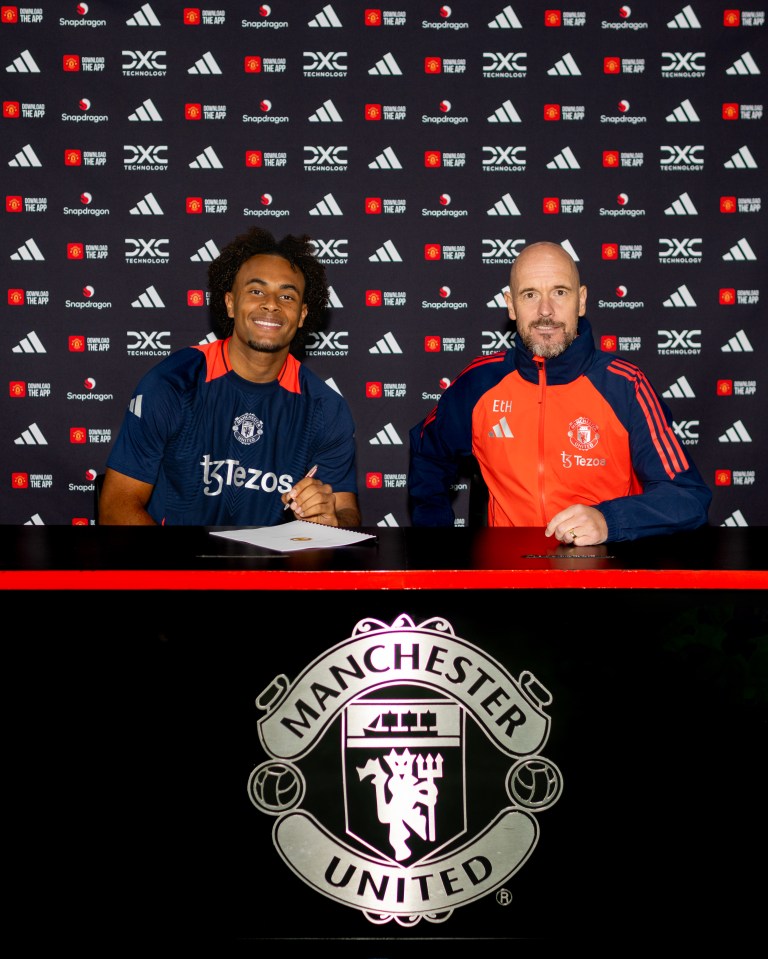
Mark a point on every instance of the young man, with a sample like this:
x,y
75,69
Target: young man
x,y
239,432
566,437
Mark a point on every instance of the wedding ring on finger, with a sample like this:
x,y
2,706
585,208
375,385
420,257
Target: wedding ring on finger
x,y
572,535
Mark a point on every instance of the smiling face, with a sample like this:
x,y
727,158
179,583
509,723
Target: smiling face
x,y
545,299
266,303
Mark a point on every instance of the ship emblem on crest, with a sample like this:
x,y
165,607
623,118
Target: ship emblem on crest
x,y
437,752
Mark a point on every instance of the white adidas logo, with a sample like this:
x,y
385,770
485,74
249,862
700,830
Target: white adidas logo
x,y
744,66
565,67
386,345
326,113
144,17
148,206
506,20
207,253
681,297
506,113
146,112
565,160
387,253
389,520
502,430
506,206
738,343
32,436
685,20
24,63
29,344
326,18
742,159
735,519
207,160
26,157
734,434
386,160
740,251
29,250
682,206
685,113
680,389
149,298
326,207
205,66
386,67
387,436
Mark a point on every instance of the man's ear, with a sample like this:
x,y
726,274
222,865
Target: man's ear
x,y
303,316
228,301
582,300
510,307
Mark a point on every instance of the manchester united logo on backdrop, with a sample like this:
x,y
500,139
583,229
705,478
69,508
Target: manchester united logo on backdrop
x,y
428,779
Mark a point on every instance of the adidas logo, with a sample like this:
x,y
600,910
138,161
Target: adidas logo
x,y
681,297
326,113
386,254
147,111
386,160
144,17
740,251
498,300
326,18
386,345
206,253
333,299
565,160
32,436
685,20
738,343
333,385
734,434
741,160
680,389
386,67
502,430
147,207
506,113
566,245
149,298
207,160
387,436
744,66
326,207
506,206
682,206
135,405
389,520
30,344
565,67
29,250
35,520
683,114
24,63
26,157
506,20
210,338
205,66
735,519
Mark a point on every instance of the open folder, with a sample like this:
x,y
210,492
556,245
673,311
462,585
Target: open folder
x,y
289,537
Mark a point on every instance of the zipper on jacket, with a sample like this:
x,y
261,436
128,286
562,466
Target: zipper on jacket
x,y
541,464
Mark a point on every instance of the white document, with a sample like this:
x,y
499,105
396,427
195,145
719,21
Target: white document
x,y
289,537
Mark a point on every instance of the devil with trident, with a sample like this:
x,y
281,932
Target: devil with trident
x,y
407,793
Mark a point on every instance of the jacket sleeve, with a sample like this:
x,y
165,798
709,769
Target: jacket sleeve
x,y
673,495
437,447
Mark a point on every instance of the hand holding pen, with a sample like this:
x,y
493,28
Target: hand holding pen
x,y
309,475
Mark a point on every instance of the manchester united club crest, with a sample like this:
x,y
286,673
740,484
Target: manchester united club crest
x,y
439,764
248,429
583,433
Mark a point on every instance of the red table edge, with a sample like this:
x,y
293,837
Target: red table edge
x,y
206,579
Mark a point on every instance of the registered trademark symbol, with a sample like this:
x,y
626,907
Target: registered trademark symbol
x,y
503,897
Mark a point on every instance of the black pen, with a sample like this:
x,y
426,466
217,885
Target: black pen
x,y
309,475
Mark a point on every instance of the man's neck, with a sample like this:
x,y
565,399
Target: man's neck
x,y
257,366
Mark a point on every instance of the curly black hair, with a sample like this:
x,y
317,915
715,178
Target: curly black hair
x,y
297,250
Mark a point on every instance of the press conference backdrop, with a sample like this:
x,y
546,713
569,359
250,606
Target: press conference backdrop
x,y
421,146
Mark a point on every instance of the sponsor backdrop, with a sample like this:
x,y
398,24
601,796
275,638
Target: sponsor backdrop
x,y
420,146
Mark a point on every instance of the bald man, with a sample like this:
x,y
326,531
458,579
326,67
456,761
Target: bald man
x,y
567,437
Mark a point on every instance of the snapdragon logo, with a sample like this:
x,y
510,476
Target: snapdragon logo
x,y
687,250
317,64
504,65
148,63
